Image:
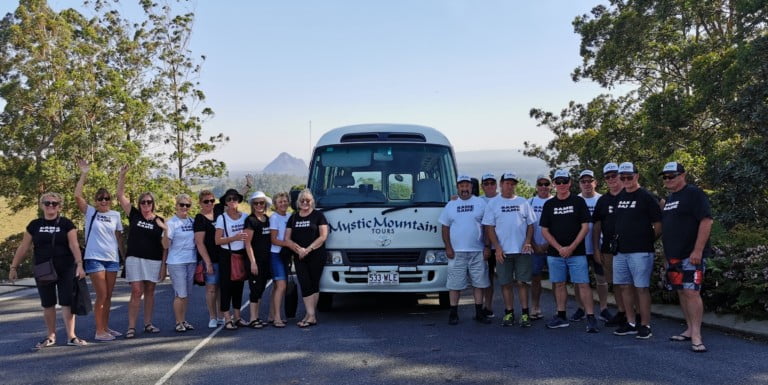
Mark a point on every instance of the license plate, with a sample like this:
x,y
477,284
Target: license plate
x,y
383,278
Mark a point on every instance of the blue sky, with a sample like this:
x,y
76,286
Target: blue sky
x,y
472,69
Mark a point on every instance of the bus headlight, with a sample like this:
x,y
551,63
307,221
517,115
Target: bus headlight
x,y
334,258
435,257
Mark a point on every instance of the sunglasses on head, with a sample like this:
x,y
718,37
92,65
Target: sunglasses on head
x,y
146,202
102,199
259,203
187,205
625,178
670,176
50,203
562,181
208,201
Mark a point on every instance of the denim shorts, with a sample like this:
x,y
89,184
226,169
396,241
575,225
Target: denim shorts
x,y
278,267
95,266
212,279
182,276
633,269
560,268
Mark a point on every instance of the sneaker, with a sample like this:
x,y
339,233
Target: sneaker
x,y
616,321
525,321
213,324
643,332
508,320
625,329
557,322
536,316
220,321
578,315
592,324
453,319
481,318
605,315
488,313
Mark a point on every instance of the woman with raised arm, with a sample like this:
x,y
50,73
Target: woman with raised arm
x,y
231,237
208,253
307,231
279,258
144,266
55,239
181,260
257,248
103,235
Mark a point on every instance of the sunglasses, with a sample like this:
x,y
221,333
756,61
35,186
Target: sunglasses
x,y
545,184
259,203
490,183
562,181
208,201
305,201
187,205
50,203
102,199
627,178
610,176
147,202
586,181
232,199
670,176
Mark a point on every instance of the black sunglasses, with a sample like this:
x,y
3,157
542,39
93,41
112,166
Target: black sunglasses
x,y
102,199
610,175
187,205
146,202
670,176
50,203
208,201
626,178
232,199
562,181
489,183
545,184
259,203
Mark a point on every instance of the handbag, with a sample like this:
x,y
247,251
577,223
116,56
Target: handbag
x,y
236,263
291,294
199,278
81,298
45,273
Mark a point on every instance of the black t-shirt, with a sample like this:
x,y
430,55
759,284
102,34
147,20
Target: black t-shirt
x,y
635,214
304,230
604,212
145,239
563,218
260,242
680,219
204,225
41,231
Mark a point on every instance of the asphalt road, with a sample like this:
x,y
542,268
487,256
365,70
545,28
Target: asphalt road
x,y
370,339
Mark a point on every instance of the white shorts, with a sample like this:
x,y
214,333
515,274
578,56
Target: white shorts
x,y
467,268
181,278
140,269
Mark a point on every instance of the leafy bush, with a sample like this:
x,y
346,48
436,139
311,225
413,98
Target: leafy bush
x,y
7,250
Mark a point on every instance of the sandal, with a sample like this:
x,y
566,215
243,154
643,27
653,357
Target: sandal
x,y
255,324
47,342
187,325
240,322
680,338
180,328
130,333
698,348
149,328
114,333
278,324
230,325
79,342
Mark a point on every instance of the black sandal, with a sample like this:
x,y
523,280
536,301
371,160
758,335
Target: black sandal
x,y
47,342
230,325
241,323
255,324
130,333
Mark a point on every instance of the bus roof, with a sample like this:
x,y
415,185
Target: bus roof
x,y
335,135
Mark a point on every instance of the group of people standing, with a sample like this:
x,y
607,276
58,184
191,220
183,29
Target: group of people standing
x,y
613,233
224,241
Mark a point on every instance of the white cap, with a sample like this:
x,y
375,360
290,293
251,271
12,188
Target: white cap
x,y
673,167
545,177
627,168
487,175
586,173
509,175
260,195
610,167
464,178
562,174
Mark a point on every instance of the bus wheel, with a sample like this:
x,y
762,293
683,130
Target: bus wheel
x,y
445,300
325,302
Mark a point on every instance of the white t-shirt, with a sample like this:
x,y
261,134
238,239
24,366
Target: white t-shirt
x,y
278,222
464,217
101,244
538,204
591,202
233,226
182,236
511,218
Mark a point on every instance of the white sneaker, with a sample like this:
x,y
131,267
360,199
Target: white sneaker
x,y
213,324
220,321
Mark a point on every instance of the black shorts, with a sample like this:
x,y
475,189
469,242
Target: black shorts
x,y
64,286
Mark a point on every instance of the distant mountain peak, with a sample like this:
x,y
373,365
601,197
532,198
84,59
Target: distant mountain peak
x,y
286,164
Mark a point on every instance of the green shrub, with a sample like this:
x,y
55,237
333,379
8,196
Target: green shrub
x,y
7,250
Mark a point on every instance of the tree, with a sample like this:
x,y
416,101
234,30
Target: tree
x,y
179,99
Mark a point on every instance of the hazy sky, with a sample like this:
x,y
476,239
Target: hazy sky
x,y
472,69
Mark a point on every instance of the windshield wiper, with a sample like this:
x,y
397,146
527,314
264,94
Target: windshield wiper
x,y
419,204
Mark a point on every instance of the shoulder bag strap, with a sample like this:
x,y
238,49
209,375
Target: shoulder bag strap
x,y
90,228
224,217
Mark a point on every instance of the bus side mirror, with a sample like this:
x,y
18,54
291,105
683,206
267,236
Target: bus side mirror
x,y
294,199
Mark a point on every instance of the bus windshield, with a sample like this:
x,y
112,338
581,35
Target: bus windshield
x,y
382,174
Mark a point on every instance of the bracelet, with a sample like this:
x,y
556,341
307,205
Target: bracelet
x,y
13,267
